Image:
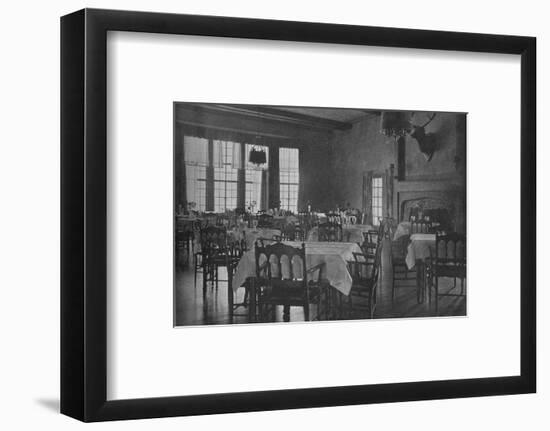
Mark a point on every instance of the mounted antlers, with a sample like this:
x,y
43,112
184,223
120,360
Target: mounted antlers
x,y
426,123
400,123
426,141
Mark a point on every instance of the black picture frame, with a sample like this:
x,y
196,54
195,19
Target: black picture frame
x,y
84,214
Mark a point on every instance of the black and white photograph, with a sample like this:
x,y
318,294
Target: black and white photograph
x,y
299,214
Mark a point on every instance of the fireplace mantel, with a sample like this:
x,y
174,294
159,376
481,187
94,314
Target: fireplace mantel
x,y
451,185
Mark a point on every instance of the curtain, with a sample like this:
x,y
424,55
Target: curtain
x,y
302,203
217,157
236,159
367,194
195,150
220,149
265,193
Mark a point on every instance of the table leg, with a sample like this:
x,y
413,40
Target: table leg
x,y
420,292
252,302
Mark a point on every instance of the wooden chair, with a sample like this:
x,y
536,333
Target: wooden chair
x,y
265,221
371,242
364,270
282,284
334,218
306,221
223,220
387,227
402,277
214,254
185,239
236,250
331,232
448,260
291,232
209,218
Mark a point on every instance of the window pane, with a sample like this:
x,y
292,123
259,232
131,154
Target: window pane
x,y
196,186
377,200
226,170
289,177
253,188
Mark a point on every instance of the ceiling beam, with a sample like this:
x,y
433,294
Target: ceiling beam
x,y
297,118
214,117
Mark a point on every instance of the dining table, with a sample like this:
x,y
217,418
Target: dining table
x,y
351,232
405,228
333,255
419,248
280,222
250,234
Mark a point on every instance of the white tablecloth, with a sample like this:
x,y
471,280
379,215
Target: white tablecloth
x,y
333,254
352,232
403,228
419,248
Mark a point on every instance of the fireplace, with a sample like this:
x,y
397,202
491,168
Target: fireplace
x,y
446,198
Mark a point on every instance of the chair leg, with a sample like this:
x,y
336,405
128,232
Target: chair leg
x,y
230,300
429,282
392,288
418,282
286,313
195,258
319,306
436,295
306,312
204,285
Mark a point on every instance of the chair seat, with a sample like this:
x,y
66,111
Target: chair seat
x,y
450,270
219,259
398,260
359,287
288,292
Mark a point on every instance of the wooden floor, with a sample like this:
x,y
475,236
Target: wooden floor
x,y
190,309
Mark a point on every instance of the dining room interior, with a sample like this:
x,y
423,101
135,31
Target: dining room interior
x,y
299,214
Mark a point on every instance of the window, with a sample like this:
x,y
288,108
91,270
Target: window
x,y
196,160
216,179
225,175
289,178
377,200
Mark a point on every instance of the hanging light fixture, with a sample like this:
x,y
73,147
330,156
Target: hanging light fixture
x,y
257,154
395,124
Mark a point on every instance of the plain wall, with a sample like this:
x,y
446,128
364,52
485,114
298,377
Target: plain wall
x,y
353,153
30,216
